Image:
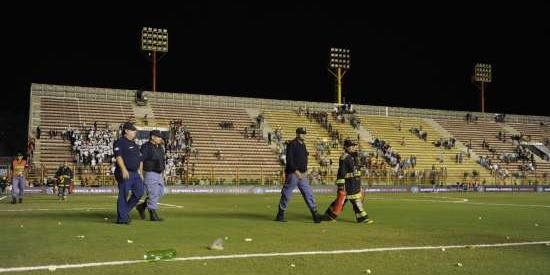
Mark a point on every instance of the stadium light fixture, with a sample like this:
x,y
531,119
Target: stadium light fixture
x,y
154,40
483,74
339,63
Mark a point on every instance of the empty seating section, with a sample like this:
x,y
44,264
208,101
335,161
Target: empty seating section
x,y
247,158
387,128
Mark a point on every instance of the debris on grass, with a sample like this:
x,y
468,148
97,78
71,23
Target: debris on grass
x,y
130,241
248,239
216,245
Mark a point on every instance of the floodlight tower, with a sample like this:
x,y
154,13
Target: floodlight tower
x,y
154,40
339,60
482,75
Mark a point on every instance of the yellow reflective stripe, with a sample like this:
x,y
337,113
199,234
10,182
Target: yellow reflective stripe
x,y
340,181
361,214
353,175
355,196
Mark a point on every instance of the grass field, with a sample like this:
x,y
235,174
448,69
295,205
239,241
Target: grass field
x,y
43,231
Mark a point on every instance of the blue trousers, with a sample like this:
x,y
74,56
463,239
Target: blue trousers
x,y
154,183
125,205
18,186
303,184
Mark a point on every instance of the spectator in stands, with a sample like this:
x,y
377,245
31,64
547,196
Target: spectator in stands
x,y
218,154
259,120
269,138
38,132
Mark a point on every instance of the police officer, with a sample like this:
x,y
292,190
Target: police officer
x,y
348,181
63,176
296,175
153,166
128,172
18,167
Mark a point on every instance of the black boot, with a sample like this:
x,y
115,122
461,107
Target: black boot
x,y
141,210
13,201
316,216
20,200
280,216
154,216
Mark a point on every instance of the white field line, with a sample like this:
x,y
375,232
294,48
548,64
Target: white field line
x,y
164,204
171,205
3,197
59,209
462,201
273,254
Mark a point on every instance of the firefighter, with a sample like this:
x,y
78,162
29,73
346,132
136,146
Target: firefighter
x,y
348,181
64,177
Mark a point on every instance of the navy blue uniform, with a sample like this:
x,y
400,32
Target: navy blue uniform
x,y
296,159
129,151
153,166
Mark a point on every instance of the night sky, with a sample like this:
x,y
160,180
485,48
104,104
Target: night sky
x,y
410,56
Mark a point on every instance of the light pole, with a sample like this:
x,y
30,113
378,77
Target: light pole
x,y
482,74
154,40
339,60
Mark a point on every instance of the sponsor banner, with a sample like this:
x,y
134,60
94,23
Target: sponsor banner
x,y
247,189
510,188
385,190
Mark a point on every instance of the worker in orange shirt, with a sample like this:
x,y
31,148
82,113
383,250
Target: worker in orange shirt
x,y
18,167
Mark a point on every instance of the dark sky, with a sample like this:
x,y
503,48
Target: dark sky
x,y
410,56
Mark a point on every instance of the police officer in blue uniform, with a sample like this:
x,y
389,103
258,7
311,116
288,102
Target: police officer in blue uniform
x,y
296,175
128,172
153,166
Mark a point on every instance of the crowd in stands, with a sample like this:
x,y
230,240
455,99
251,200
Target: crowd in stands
x,y
418,132
226,125
447,143
92,146
471,118
500,117
393,158
179,149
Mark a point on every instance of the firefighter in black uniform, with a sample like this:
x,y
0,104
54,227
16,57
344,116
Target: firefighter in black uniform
x,y
348,181
64,176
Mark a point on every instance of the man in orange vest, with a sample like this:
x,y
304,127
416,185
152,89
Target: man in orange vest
x,y
18,167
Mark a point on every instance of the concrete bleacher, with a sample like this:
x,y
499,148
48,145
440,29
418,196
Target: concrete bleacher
x,y
242,157
387,128
56,107
534,132
289,120
476,131
60,113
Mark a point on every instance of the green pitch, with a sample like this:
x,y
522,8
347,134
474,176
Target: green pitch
x,y
81,230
